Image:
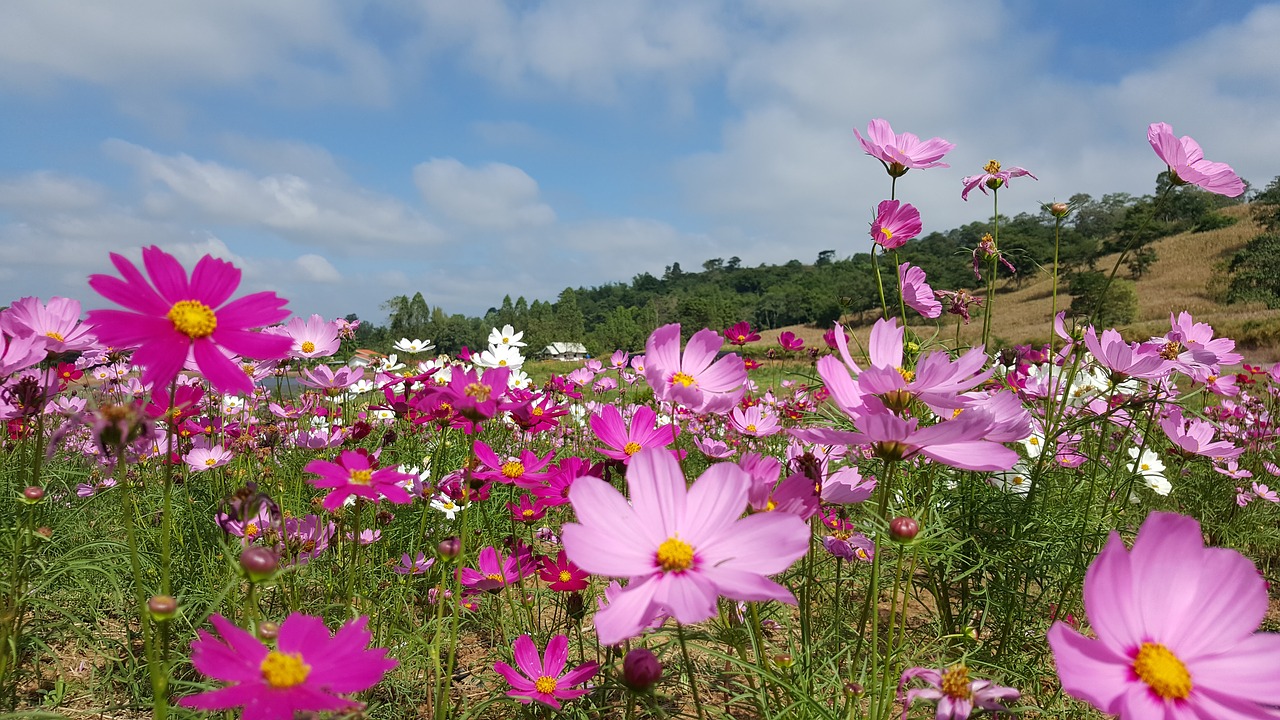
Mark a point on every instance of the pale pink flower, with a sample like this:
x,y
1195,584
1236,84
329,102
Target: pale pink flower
x,y
58,322
312,338
900,153
695,379
916,292
1187,165
992,178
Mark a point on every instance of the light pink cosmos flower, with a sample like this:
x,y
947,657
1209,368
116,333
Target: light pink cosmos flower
x,y
354,475
1187,165
683,547
58,322
303,673
695,379
20,353
954,693
178,317
312,338
755,421
896,223
1175,626
1122,359
900,153
322,377
206,457
1192,436
916,292
625,440
937,380
993,178
544,679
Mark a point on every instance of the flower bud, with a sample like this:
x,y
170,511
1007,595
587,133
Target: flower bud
x,y
259,563
162,607
641,669
576,606
903,529
33,493
449,547
268,630
1059,209
783,660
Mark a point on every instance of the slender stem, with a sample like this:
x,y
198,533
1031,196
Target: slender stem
x,y
688,667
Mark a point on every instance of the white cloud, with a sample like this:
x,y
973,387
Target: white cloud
x,y
495,196
45,191
299,50
316,269
323,213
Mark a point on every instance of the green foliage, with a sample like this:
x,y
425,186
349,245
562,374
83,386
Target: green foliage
x,y
1213,221
1266,207
1104,301
1255,272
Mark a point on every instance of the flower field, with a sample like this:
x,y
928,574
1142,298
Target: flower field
x,y
215,507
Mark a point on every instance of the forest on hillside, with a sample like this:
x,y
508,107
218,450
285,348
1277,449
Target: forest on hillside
x,y
831,286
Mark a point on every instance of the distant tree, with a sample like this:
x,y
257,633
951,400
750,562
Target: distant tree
x,y
568,317
825,257
734,263
1266,207
1140,261
1255,272
672,272
713,265
1105,304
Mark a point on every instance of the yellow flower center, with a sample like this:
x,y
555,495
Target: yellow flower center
x,y
565,576
992,167
955,682
1145,467
308,346
512,469
1163,671
907,375
888,234
527,513
771,505
479,391
193,319
682,378
55,335
1171,350
675,555
538,412
631,448
1033,440
251,530
545,685
361,477
496,576
751,428
284,670
210,462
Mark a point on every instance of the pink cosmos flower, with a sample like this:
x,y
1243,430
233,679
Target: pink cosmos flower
x,y
993,178
495,571
542,679
1175,625
741,334
354,475
1122,359
900,153
561,574
955,694
526,471
414,565
916,292
1187,165
303,673
755,421
58,322
789,341
625,440
1195,437
312,338
474,396
683,547
322,377
207,457
695,379
896,222
178,317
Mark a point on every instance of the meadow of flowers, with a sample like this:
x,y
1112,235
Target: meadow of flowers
x,y
210,510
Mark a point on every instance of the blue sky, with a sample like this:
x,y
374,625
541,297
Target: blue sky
x,y
345,152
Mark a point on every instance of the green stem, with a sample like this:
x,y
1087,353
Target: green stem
x,y
689,671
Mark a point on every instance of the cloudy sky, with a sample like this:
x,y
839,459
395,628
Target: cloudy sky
x,y
342,152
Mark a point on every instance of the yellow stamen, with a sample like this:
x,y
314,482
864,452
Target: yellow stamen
x,y
992,167
284,670
361,477
55,335
210,462
631,448
955,680
1159,668
888,234
683,379
545,684
751,428
675,555
479,391
193,319
308,346
512,469
565,576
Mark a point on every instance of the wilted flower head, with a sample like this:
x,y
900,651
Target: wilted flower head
x,y
992,178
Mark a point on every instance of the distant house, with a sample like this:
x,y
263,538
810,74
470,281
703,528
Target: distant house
x,y
565,351
365,358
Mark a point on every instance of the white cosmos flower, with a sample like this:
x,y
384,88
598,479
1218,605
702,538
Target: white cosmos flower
x,y
412,347
1016,480
446,505
360,387
500,356
506,336
1149,466
388,364
519,379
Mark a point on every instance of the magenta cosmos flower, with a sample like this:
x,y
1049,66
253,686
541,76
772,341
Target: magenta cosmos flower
x,y
1187,165
695,379
179,317
543,678
900,153
896,223
303,672
683,547
626,440
1175,626
354,475
992,178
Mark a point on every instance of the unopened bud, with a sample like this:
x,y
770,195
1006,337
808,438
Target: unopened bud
x,y
162,607
641,669
1059,209
268,630
449,547
259,563
783,660
33,493
903,529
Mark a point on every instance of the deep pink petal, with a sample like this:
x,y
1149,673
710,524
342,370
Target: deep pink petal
x,y
253,311
257,345
167,274
513,677
555,656
526,657
213,280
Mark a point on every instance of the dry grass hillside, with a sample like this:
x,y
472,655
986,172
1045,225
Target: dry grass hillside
x,y
1190,266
